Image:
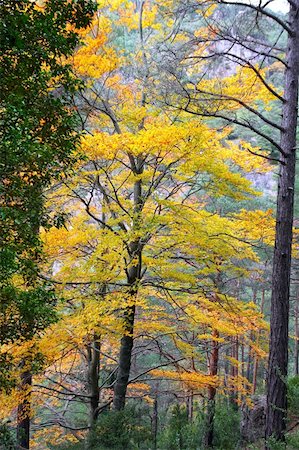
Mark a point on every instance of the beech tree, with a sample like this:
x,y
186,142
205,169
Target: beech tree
x,y
177,161
133,127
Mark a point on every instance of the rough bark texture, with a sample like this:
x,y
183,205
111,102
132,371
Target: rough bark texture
x,y
213,370
155,421
23,413
133,278
255,371
252,426
93,351
125,354
234,370
296,350
278,358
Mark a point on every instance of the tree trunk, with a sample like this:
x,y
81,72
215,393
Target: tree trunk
x,y
93,350
125,354
255,370
155,421
296,350
213,370
278,357
24,409
190,407
126,343
243,360
249,373
234,370
133,278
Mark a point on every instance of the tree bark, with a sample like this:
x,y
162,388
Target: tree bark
x,y
278,358
125,354
255,371
24,409
213,370
296,349
93,351
190,406
249,371
155,421
133,278
234,370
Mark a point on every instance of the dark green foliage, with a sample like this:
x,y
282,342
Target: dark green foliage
x,y
179,434
226,426
77,446
293,441
25,313
38,140
121,430
117,430
7,440
37,144
37,122
293,396
130,429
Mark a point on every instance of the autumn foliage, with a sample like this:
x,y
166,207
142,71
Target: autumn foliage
x,y
160,250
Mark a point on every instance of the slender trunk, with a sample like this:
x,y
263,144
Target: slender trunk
x,y
24,406
296,362
24,409
93,350
93,372
155,421
255,370
249,361
190,402
255,358
190,406
243,359
125,354
213,370
263,301
278,358
234,370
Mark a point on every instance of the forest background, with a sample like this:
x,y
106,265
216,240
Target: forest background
x,y
138,225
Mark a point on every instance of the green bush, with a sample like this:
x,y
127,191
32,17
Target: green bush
x,y
293,395
226,426
77,446
130,429
121,430
117,430
179,433
7,440
293,441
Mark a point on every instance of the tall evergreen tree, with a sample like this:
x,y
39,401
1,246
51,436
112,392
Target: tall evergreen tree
x,y
37,143
37,132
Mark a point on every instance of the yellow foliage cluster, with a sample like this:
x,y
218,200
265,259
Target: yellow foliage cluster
x,y
147,180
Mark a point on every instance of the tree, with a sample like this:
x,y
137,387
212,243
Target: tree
x,y
139,157
38,141
153,259
226,42
278,358
37,129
